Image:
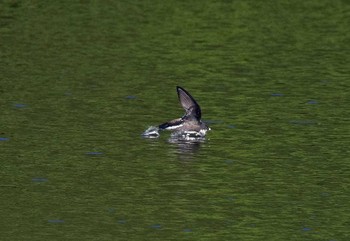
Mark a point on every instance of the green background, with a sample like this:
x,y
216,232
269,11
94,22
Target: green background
x,y
81,80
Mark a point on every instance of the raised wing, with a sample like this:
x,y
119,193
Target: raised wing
x,y
189,104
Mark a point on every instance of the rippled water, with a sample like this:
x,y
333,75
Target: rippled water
x,y
81,81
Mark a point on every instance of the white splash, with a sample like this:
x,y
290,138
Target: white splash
x,y
189,135
151,132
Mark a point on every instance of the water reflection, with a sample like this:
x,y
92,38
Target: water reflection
x,y
39,179
55,221
187,146
303,122
184,142
178,144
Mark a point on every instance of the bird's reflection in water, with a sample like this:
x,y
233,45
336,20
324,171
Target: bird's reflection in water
x,y
184,145
187,145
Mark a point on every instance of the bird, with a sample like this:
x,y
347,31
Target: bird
x,y
190,123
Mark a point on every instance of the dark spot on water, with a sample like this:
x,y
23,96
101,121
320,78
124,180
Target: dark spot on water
x,y
312,102
94,153
229,161
14,4
4,139
230,198
130,97
277,94
56,221
39,179
122,221
303,122
156,226
20,105
306,229
187,230
212,121
231,126
111,210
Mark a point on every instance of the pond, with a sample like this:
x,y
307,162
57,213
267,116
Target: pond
x,y
82,80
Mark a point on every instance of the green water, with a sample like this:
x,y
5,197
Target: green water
x,y
81,80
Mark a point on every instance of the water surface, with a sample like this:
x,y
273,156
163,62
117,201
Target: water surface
x,y
80,82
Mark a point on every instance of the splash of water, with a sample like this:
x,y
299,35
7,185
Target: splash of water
x,y
151,132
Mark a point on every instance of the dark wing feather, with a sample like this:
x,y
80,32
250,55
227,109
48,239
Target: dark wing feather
x,y
189,104
171,124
